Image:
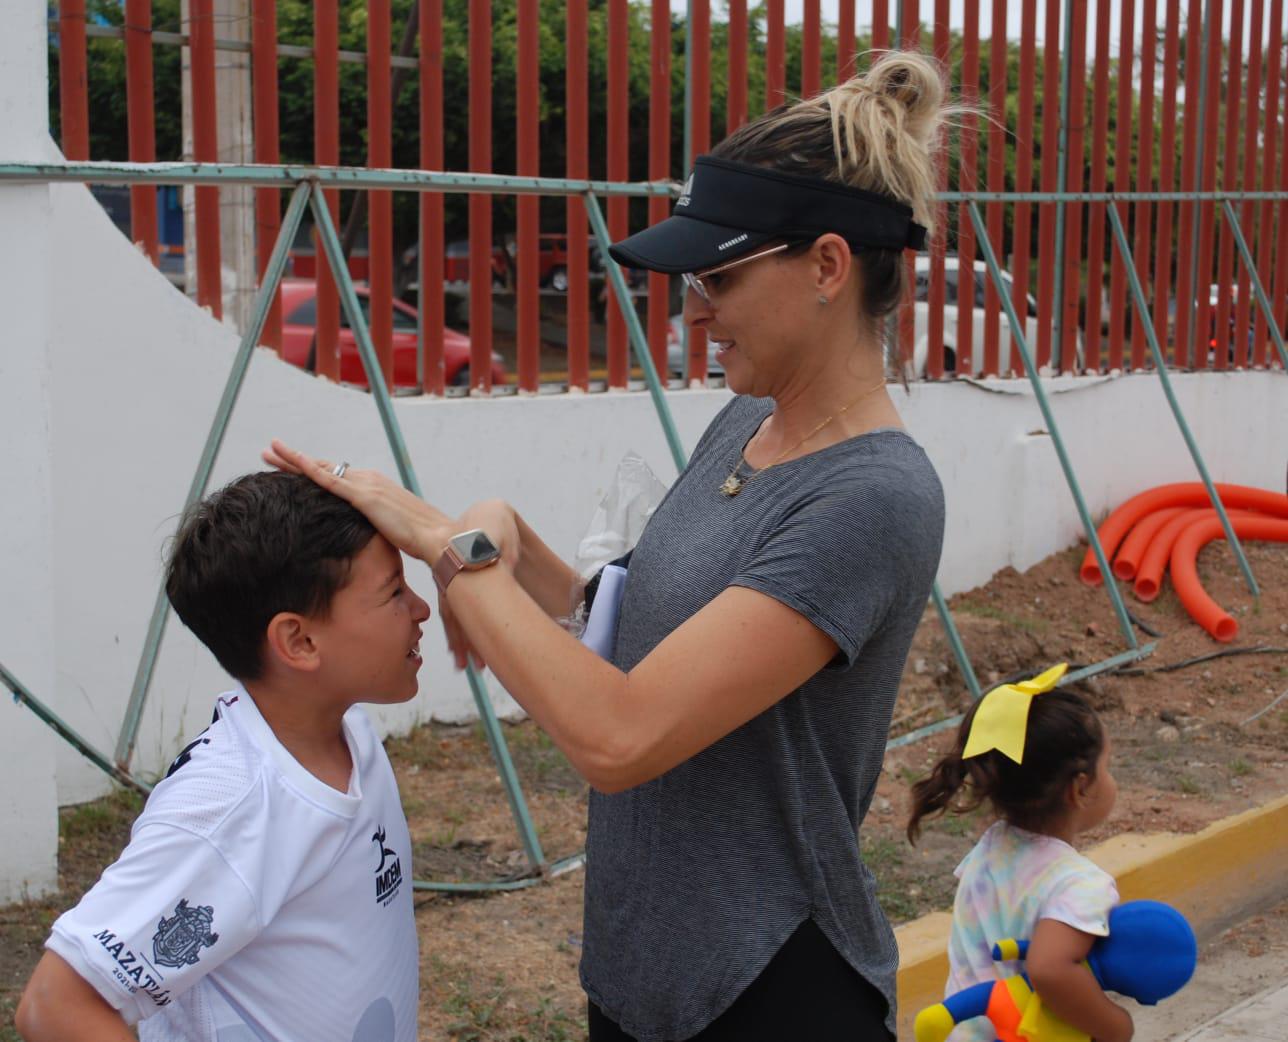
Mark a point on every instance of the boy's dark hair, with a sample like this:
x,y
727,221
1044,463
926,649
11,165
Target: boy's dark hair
x,y
1064,738
266,543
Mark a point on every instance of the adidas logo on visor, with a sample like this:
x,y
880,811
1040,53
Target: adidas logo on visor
x,y
685,196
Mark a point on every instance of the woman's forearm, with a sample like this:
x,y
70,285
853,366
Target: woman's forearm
x,y
556,587
733,659
575,696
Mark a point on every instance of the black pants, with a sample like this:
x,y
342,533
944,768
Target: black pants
x,y
807,992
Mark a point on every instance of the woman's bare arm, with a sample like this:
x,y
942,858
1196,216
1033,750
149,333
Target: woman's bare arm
x,y
544,576
732,660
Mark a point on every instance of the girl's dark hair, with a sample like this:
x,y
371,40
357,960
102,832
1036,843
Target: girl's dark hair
x,y
266,543
1064,739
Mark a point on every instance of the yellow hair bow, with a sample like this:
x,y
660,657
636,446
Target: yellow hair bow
x,y
1002,718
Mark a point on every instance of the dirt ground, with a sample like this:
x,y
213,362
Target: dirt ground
x,y
1192,745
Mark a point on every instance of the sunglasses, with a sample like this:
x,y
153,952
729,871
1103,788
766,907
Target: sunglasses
x,y
695,281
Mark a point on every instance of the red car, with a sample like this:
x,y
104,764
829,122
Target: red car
x,y
299,321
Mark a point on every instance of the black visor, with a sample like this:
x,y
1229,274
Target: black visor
x,y
728,209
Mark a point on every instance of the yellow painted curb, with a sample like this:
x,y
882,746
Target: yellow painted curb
x,y
1215,878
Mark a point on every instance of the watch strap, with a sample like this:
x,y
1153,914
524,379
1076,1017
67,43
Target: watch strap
x,y
447,567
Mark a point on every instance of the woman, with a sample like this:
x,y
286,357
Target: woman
x,y
734,742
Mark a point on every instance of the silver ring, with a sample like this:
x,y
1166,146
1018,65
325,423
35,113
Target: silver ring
x,y
339,469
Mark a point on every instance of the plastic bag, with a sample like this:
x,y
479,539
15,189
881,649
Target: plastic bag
x,y
615,527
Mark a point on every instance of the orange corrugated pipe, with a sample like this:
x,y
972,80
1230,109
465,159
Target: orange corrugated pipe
x,y
1185,574
1180,494
1149,576
1138,539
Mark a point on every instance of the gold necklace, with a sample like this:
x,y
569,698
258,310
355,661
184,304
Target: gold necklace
x,y
735,482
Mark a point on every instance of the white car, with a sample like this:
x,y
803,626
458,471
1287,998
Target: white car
x,y
1005,347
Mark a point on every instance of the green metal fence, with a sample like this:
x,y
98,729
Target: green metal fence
x,y
307,184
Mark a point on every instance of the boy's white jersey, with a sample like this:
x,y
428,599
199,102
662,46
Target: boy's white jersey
x,y
254,902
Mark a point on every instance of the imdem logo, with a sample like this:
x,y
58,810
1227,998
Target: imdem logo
x,y
388,880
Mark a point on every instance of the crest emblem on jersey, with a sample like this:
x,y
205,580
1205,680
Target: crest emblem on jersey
x,y
180,938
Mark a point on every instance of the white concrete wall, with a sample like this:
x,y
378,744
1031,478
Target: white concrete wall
x,y
28,818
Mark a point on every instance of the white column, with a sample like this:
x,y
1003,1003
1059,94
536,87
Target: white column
x,y
28,806
236,144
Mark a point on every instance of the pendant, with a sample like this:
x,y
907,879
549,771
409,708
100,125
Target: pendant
x,y
732,485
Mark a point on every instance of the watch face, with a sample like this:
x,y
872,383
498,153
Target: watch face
x,y
475,548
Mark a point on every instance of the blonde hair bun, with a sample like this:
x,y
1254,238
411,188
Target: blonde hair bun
x,y
885,128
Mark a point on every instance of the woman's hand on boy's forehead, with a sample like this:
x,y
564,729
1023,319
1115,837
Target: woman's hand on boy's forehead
x,y
401,517
408,522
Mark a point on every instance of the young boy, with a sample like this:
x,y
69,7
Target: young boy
x,y
266,889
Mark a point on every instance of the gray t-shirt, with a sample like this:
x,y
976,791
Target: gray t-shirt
x,y
694,880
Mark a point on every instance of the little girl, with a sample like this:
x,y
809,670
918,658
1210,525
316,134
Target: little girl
x,y
1040,758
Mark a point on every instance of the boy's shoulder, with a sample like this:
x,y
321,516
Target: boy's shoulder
x,y
211,776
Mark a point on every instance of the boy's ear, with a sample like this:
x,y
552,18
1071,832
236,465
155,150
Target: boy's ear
x,y
290,641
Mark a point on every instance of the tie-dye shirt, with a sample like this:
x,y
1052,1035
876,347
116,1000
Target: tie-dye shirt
x,y
1010,880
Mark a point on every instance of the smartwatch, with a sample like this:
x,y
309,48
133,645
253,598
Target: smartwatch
x,y
466,552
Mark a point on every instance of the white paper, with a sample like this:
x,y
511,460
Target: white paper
x,y
601,627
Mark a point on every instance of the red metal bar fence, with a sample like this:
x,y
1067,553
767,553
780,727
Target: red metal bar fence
x,y
1144,171
966,180
659,168
935,292
73,79
1099,179
881,24
1201,304
995,213
205,149
1243,346
1210,103
380,214
1074,163
139,92
1025,143
480,94
1118,311
1163,240
700,142
430,255
618,168
1270,145
910,38
736,101
775,54
268,201
1182,353
528,115
1048,174
1221,342
577,144
844,39
326,152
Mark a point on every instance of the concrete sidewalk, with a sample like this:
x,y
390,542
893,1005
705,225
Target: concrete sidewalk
x,y
1263,1018
1239,990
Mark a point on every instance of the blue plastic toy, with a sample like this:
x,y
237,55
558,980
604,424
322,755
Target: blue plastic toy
x,y
1150,953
